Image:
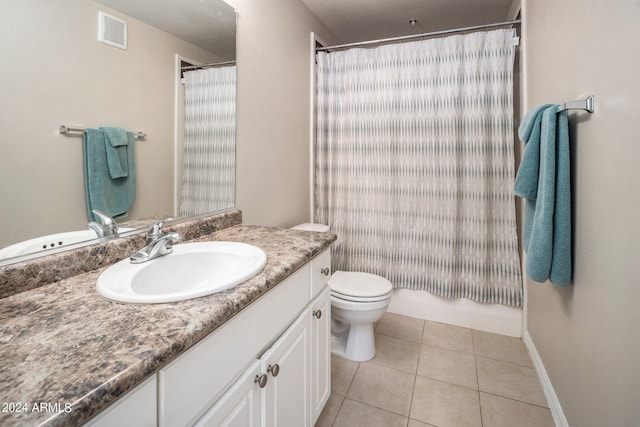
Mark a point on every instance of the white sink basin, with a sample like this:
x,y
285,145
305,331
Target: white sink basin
x,y
192,270
50,241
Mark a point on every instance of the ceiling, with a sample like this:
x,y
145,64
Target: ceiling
x,y
361,20
209,24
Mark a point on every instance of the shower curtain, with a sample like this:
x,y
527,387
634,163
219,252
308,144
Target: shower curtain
x,y
208,174
414,164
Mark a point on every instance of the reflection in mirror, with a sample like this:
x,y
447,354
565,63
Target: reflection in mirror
x,y
57,73
208,172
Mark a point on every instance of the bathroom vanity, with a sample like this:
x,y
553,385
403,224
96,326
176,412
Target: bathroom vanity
x,y
257,354
276,352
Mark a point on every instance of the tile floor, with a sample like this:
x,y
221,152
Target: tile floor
x,y
431,374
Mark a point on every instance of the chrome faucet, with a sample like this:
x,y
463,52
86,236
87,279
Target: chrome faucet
x,y
157,244
107,225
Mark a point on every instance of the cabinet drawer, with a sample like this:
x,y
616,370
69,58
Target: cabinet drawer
x,y
192,382
320,271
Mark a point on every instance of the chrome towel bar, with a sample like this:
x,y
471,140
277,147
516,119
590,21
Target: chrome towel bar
x,y
584,104
138,134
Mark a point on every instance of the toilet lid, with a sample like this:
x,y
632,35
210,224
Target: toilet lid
x,y
364,285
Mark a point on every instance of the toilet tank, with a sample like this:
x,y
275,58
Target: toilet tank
x,y
320,228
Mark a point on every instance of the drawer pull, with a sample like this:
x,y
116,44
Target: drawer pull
x,y
325,271
317,314
261,380
275,369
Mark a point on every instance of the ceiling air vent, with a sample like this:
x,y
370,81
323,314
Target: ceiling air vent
x,y
112,31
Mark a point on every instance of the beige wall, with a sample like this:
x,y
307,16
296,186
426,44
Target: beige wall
x,y
53,72
588,335
273,112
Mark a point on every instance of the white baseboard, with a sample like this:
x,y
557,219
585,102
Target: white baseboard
x,y
496,318
552,399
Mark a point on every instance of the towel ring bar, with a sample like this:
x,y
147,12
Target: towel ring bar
x,y
138,134
584,104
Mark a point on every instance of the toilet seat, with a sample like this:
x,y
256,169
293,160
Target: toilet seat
x,y
360,287
360,299
358,306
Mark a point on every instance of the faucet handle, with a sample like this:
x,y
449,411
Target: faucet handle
x,y
103,217
108,225
155,231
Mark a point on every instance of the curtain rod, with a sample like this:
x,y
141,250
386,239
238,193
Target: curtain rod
x,y
214,64
417,36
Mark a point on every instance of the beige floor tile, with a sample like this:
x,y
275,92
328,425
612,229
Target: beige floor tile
x,y
452,364
501,412
444,404
448,365
330,411
510,380
403,327
416,423
342,373
385,388
396,353
501,347
447,336
356,414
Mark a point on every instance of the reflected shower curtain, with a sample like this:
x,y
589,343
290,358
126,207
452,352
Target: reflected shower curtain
x,y
208,174
414,164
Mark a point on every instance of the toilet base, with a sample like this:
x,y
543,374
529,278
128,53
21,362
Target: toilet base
x,y
356,344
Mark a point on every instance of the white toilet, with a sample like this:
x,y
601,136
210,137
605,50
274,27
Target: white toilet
x,y
358,300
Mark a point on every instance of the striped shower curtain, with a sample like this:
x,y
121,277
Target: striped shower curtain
x,y
414,164
208,173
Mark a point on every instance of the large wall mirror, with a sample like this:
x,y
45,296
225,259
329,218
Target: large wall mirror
x,y
55,72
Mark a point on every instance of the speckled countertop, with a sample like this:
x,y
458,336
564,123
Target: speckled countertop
x,y
64,345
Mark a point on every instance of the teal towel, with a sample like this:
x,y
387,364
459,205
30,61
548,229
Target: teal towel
x,y
116,149
529,132
543,180
112,196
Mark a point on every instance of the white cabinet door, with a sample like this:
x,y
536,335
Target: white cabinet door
x,y
286,397
320,353
193,382
239,406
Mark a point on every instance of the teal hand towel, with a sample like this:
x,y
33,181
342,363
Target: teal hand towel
x,y
116,148
561,259
112,196
526,182
543,179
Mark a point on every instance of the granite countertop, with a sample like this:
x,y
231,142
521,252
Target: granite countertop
x,y
65,346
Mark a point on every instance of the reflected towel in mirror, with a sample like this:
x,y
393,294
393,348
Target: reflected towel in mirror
x,y
112,196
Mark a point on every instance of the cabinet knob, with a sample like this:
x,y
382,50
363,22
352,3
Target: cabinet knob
x,y
275,369
325,271
317,314
261,380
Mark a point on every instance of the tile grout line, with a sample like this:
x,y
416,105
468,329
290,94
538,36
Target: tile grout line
x,y
338,411
515,400
352,379
376,407
475,361
345,394
415,376
413,387
505,361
